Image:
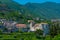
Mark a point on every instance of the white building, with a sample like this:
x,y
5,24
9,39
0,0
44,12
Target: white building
x,y
41,26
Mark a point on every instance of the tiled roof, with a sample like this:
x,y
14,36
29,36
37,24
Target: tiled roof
x,y
21,25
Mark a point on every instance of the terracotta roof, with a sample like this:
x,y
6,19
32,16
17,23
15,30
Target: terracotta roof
x,y
21,25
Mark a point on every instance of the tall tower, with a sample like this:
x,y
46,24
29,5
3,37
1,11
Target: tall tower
x,y
32,23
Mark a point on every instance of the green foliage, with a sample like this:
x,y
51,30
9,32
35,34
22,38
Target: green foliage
x,y
57,37
26,36
21,36
48,37
39,34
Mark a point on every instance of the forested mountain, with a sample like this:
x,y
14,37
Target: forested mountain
x,y
10,9
48,10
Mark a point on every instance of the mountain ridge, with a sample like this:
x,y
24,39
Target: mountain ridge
x,y
47,10
46,7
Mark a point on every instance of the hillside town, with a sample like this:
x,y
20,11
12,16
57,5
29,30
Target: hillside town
x,y
13,26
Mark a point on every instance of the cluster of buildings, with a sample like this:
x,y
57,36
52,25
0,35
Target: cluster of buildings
x,y
12,26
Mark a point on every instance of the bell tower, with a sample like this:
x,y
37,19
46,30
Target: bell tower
x,y
32,23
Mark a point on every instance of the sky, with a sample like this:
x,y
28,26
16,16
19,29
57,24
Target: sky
x,y
36,1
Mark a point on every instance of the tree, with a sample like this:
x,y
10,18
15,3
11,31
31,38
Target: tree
x,y
39,34
48,37
57,37
53,29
